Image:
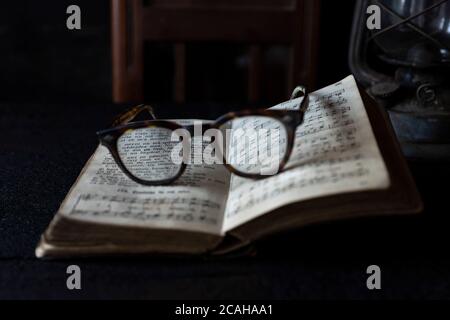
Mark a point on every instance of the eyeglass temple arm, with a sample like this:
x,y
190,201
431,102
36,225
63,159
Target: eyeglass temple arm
x,y
301,90
130,114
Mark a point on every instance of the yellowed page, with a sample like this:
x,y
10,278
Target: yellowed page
x,y
103,194
335,152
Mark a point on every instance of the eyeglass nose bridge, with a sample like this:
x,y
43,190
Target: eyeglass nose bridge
x,y
200,127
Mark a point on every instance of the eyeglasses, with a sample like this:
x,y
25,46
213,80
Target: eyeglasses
x,y
153,152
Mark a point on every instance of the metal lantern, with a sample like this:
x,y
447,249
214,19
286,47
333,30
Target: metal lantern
x,y
405,66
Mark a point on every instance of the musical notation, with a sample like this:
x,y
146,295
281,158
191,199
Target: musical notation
x,y
334,151
154,209
270,192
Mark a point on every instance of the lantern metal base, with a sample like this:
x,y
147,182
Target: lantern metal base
x,y
422,136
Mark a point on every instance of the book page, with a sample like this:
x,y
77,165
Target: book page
x,y
104,194
335,151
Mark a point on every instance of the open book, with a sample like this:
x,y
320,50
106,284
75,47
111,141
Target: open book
x,y
345,163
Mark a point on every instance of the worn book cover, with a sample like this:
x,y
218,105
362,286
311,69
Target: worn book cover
x,y
345,163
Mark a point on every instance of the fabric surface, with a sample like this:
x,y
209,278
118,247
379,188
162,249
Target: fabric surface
x,y
44,147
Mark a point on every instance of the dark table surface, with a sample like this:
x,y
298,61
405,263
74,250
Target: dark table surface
x,y
42,150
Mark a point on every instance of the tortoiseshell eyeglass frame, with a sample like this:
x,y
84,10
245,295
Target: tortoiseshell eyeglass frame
x,y
290,119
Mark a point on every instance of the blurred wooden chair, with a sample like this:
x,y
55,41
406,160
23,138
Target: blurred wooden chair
x,y
251,22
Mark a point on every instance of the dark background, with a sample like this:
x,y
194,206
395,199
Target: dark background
x,y
55,92
42,61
